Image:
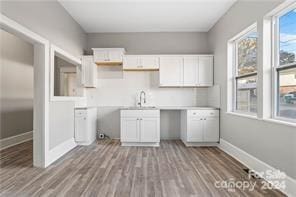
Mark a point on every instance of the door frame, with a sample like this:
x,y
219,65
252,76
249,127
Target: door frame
x,y
41,88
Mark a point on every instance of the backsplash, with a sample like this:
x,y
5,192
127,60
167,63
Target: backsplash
x,y
118,88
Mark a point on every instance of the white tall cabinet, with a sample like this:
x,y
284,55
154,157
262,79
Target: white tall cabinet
x,y
140,127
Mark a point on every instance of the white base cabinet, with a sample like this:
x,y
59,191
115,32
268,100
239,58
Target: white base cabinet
x,y
85,125
200,127
140,127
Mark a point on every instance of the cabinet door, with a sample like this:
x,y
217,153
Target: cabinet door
x,y
89,72
195,130
149,130
115,56
171,71
100,56
190,71
149,62
205,71
211,129
129,130
80,129
131,63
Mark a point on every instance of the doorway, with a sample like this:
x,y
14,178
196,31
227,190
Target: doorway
x,y
40,81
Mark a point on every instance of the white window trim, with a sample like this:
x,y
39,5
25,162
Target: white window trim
x,y
231,78
275,64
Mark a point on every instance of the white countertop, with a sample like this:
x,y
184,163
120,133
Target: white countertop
x,y
170,108
85,107
158,108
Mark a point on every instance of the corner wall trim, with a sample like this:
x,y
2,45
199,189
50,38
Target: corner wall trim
x,y
255,164
14,140
60,150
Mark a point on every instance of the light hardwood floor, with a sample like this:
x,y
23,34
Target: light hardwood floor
x,y
107,169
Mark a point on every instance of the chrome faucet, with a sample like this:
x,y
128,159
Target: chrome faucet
x,y
142,93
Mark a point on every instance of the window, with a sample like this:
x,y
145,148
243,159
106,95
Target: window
x,y
285,65
245,72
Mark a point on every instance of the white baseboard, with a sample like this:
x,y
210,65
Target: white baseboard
x,y
143,144
257,165
14,140
199,144
58,151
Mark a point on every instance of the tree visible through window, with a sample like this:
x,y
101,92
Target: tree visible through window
x,y
246,73
286,69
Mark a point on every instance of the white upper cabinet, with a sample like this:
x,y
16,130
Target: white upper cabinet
x,y
115,55
149,62
140,62
131,62
186,71
171,71
89,72
190,71
108,55
205,71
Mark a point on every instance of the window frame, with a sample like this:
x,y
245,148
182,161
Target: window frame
x,y
276,67
236,77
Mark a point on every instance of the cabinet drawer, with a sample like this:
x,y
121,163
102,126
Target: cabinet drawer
x,y
208,113
139,113
80,112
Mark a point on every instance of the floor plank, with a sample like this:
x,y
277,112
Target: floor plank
x,y
107,169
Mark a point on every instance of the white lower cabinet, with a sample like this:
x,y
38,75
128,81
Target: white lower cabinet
x,y
195,130
129,130
199,126
140,127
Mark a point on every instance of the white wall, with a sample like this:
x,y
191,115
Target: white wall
x,y
270,142
61,121
16,92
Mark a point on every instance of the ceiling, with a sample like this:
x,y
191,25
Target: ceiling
x,y
147,15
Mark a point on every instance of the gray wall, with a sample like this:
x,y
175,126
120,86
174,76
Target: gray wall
x,y
48,19
270,142
151,43
16,92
